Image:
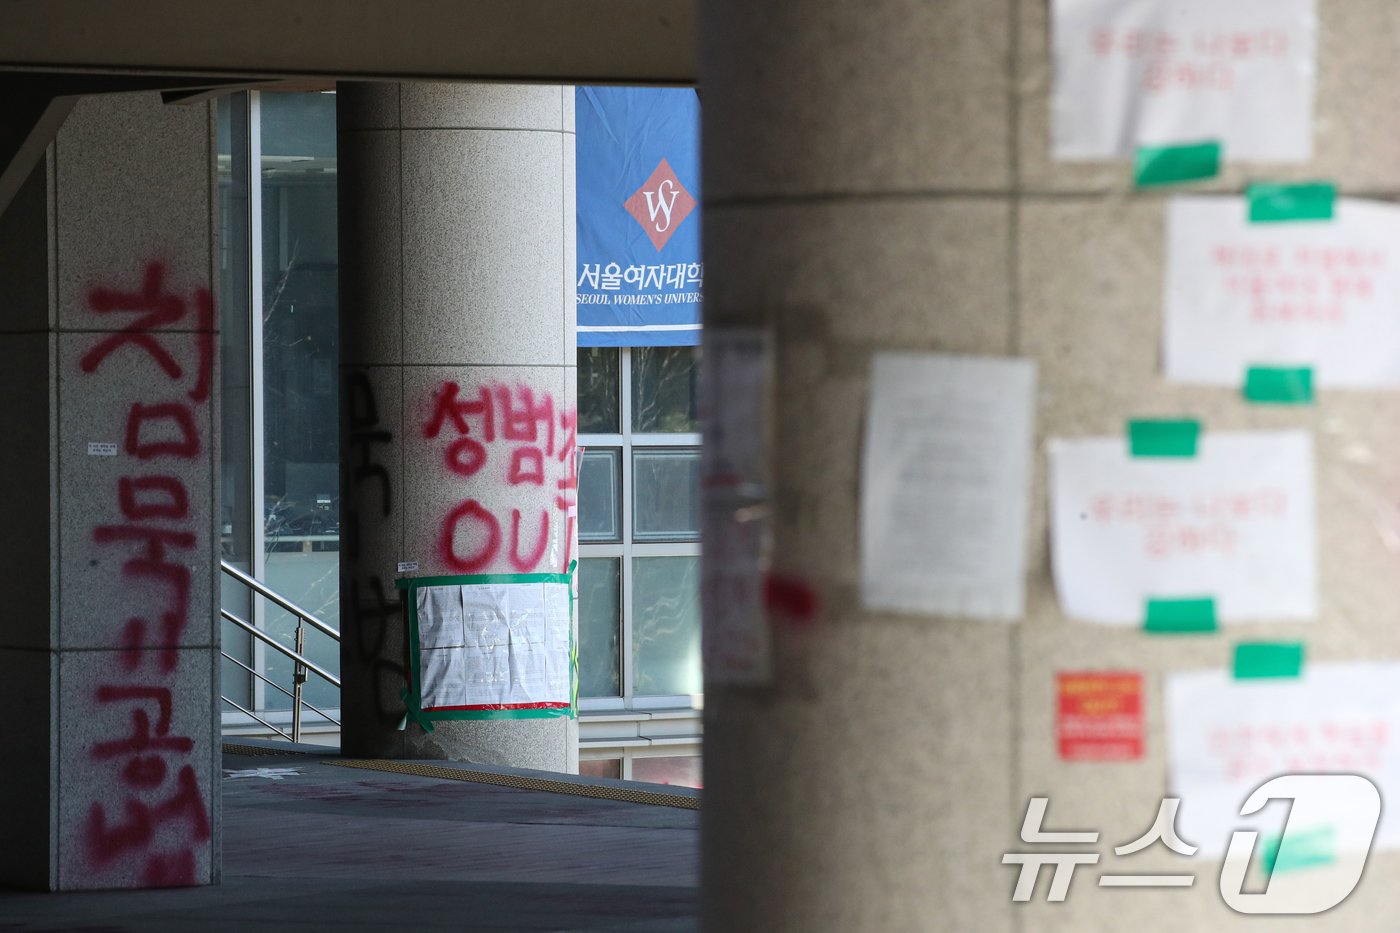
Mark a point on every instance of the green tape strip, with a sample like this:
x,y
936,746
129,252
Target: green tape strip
x,y
1196,614
1296,850
1258,659
415,713
413,583
482,714
1279,385
1312,200
1168,165
1156,437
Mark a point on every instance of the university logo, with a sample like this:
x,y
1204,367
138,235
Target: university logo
x,y
660,205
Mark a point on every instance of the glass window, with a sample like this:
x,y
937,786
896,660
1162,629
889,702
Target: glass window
x,y
664,390
312,581
600,767
666,494
300,315
599,625
599,495
599,390
277,213
639,518
235,400
679,770
666,626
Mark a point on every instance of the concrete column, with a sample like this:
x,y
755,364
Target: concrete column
x,y
457,289
108,652
857,175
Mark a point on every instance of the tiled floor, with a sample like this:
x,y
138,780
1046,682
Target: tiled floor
x,y
309,846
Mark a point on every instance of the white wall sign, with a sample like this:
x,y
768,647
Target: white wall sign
x,y
1166,72
1324,294
945,484
1235,522
1225,737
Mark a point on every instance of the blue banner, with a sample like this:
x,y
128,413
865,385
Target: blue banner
x,y
639,268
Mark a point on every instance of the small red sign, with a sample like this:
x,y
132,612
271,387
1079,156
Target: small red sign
x,y
1100,716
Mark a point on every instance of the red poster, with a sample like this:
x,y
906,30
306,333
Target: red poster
x,y
1100,716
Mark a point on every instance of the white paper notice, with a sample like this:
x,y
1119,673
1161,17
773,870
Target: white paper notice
x,y
1235,522
1166,72
944,489
494,645
1320,294
735,476
1226,737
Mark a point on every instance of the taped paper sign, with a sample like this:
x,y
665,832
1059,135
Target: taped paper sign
x,y
734,474
1099,716
1324,295
1234,524
945,484
1225,737
1132,73
491,646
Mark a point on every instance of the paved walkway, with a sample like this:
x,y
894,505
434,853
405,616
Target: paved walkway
x,y
312,846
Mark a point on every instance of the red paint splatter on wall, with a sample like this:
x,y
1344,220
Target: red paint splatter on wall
x,y
793,599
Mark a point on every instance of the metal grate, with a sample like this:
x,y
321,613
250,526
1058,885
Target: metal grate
x,y
599,791
233,748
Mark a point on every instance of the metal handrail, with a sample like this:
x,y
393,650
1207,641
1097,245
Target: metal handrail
x,y
247,712
301,663
277,599
281,689
296,656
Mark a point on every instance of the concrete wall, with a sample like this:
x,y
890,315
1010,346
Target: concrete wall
x,y
878,177
457,240
110,651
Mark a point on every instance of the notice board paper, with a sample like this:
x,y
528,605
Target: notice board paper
x,y
944,489
494,645
734,474
1225,737
1099,715
1324,295
1234,523
1132,73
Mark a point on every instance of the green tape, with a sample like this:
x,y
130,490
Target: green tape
x,y
1168,165
1312,200
415,712
573,668
1295,850
485,714
1258,659
1196,614
1156,437
413,583
1279,385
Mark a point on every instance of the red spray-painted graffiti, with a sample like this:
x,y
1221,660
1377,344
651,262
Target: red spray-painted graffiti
x,y
518,436
154,785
